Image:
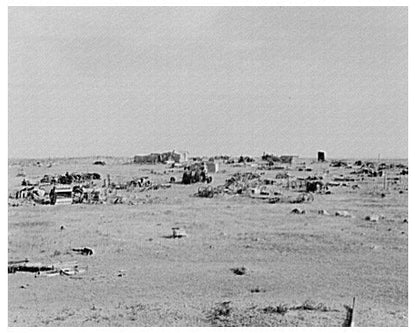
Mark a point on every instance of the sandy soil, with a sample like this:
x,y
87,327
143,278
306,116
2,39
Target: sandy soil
x,y
289,258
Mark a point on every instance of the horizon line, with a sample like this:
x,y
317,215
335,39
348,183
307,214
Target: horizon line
x,y
211,155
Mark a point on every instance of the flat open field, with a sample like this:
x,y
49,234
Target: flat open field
x,y
139,276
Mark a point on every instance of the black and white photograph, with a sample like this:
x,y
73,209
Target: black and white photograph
x,y
207,166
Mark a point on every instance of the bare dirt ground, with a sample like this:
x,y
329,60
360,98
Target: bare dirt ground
x,y
138,276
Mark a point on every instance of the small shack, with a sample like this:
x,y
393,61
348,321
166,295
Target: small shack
x,y
321,156
153,158
180,156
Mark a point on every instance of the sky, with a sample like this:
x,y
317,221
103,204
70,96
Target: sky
x,y
120,81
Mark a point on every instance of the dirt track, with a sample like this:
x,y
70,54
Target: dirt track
x,y
140,277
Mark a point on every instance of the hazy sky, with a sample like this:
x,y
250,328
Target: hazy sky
x,y
210,80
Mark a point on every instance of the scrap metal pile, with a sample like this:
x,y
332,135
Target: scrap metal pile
x,y
68,179
79,188
195,173
252,185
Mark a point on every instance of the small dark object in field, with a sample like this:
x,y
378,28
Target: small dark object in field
x,y
239,270
172,180
281,309
84,251
405,221
258,290
383,195
62,227
342,213
372,218
401,192
323,212
298,211
178,233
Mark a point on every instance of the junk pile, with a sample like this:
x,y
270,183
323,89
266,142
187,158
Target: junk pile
x,y
252,185
311,184
338,164
140,183
196,173
239,182
66,269
301,198
68,179
209,191
32,193
264,192
57,194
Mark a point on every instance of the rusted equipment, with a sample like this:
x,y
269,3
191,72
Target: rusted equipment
x,y
61,195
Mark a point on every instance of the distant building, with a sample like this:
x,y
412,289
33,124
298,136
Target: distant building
x,y
321,156
146,159
154,158
180,156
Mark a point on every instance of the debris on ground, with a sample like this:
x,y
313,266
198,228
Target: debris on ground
x,y
178,233
308,305
29,267
372,218
208,191
298,211
239,270
86,251
323,212
220,313
257,290
121,273
311,305
342,213
303,197
68,269
280,309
